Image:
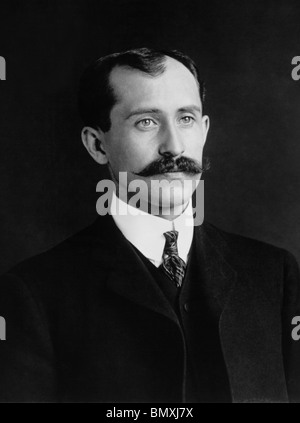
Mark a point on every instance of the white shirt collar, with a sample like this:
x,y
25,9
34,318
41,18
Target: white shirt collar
x,y
146,231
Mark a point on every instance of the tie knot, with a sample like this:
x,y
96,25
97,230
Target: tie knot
x,y
171,243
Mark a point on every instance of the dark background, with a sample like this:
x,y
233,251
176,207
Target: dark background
x,y
244,50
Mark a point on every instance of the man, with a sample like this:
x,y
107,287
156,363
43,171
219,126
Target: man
x,y
142,306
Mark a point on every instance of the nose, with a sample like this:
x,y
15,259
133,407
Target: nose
x,y
171,142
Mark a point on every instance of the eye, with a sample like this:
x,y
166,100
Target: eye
x,y
187,120
146,123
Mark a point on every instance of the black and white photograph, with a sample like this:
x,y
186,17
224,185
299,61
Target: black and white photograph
x,y
150,204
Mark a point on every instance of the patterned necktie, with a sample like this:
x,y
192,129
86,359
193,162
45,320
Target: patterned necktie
x,y
172,264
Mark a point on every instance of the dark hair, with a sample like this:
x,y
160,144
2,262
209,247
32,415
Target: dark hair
x,y
96,96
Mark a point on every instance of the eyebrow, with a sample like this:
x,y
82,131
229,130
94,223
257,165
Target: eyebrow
x,y
138,112
190,109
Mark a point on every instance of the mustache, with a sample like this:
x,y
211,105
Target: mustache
x,y
169,164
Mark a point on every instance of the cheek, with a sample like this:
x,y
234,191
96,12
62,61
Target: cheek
x,y
127,155
195,143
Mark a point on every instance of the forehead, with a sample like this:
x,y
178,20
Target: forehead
x,y
175,88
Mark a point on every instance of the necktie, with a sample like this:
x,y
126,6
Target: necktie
x,y
173,265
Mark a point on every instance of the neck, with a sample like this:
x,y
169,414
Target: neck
x,y
169,213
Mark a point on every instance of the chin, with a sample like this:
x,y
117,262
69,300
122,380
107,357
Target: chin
x,y
171,199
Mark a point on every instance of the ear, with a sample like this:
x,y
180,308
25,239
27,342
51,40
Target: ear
x,y
93,141
205,126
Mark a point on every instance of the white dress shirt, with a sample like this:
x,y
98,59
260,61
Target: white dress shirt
x,y
146,231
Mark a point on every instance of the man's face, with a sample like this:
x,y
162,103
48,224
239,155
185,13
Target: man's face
x,y
157,119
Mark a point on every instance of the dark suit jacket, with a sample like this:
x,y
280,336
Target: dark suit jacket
x,y
87,322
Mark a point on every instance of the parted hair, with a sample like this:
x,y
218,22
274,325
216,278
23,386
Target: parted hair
x,y
96,96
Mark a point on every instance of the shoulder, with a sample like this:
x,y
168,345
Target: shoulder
x,y
273,270
66,264
56,257
97,235
246,252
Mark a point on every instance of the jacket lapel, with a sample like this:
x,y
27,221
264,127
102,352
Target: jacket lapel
x,y
127,274
248,326
214,271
